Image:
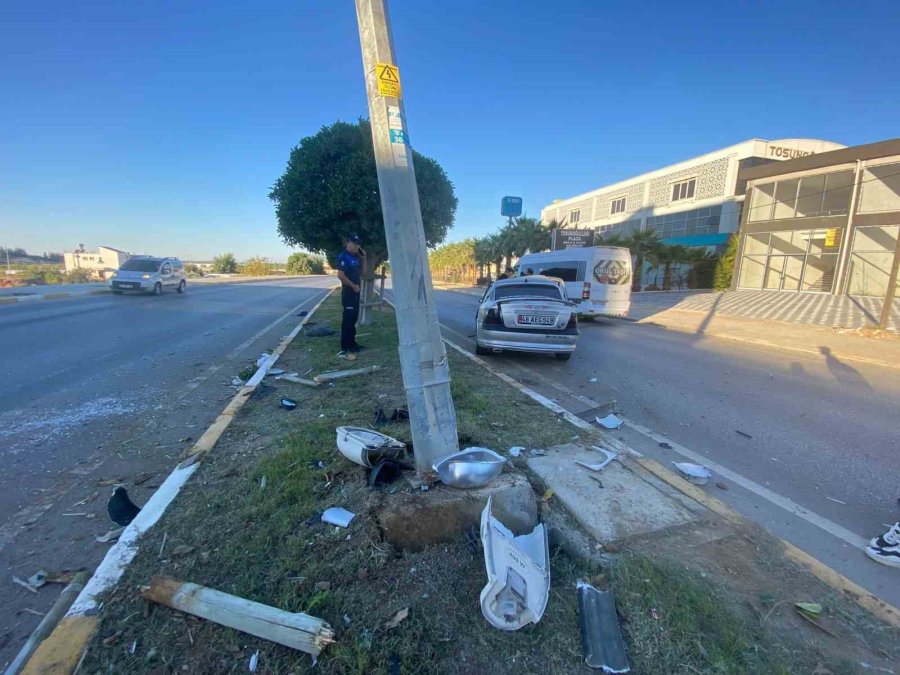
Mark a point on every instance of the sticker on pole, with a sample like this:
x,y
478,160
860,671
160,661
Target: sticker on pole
x,y
388,77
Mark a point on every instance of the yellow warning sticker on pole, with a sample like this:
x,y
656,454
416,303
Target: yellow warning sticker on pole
x,y
388,77
831,237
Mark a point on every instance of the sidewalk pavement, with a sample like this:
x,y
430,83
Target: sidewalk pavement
x,y
830,311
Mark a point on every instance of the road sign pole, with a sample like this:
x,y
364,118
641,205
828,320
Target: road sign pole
x,y
423,357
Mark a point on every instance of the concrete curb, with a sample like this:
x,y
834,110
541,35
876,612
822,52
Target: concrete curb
x,y
66,645
868,601
74,295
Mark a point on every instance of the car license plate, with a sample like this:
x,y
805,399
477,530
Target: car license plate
x,y
538,320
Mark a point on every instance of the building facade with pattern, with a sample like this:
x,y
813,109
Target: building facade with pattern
x,y
697,202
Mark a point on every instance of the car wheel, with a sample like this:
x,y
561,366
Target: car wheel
x,y
157,289
564,356
481,351
182,286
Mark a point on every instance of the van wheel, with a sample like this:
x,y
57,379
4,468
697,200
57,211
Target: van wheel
x,y
564,357
157,289
481,351
182,286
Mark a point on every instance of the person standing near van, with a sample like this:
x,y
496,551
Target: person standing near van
x,y
349,265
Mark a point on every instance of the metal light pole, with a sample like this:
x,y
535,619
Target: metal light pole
x,y
891,290
423,358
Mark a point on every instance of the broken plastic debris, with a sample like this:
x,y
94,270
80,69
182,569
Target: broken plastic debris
x,y
262,360
610,456
600,632
367,447
112,535
337,516
237,382
397,618
24,584
518,570
288,403
275,371
610,422
516,451
38,579
694,473
254,661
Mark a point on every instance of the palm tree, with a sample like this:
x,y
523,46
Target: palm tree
x,y
613,240
642,244
668,257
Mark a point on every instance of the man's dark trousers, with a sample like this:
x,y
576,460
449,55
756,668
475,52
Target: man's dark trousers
x,y
350,301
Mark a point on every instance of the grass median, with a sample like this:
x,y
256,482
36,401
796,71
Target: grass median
x,y
245,525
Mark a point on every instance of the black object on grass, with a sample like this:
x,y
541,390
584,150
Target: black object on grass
x,y
288,403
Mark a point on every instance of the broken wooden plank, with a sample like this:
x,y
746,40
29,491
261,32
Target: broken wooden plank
x,y
296,379
341,374
295,630
48,623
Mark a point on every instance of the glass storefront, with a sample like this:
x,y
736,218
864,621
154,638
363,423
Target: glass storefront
x,y
871,259
824,194
795,260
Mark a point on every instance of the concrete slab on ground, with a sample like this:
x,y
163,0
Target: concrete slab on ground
x,y
628,505
412,521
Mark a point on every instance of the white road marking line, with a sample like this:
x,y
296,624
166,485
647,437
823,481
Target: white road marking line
x,y
829,526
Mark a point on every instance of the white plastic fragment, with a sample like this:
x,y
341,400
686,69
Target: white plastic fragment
x,y
610,422
516,451
254,661
518,570
337,516
694,473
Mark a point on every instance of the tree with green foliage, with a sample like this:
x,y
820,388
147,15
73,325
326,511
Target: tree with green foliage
x,y
722,277
193,270
330,190
224,264
78,276
256,267
614,239
304,263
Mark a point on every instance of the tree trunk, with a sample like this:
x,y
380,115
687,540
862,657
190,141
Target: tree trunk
x,y
367,289
667,277
636,274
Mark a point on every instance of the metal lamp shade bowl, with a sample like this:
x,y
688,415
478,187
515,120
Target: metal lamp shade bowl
x,y
470,468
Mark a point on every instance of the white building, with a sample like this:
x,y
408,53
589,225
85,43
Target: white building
x,y
99,263
696,202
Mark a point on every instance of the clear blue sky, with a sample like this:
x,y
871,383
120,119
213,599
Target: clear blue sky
x,y
159,126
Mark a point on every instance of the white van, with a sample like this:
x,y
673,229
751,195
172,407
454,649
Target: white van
x,y
598,278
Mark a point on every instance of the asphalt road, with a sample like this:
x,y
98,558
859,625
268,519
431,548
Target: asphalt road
x,y
822,462
113,388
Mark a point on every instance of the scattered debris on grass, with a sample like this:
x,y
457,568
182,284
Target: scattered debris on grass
x,y
341,374
288,403
600,632
518,570
112,535
397,619
337,516
296,630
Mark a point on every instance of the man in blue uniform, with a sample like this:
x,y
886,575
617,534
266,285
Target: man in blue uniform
x,y
349,265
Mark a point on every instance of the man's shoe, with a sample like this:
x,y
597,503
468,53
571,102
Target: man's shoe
x,y
347,355
889,555
889,538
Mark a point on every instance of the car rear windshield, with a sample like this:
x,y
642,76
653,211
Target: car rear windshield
x,y
140,265
527,291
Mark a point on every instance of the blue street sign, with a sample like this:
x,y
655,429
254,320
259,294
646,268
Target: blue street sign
x,y
511,207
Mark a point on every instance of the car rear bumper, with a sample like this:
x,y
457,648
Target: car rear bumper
x,y
543,343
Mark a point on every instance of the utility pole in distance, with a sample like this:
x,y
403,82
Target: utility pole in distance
x,y
423,357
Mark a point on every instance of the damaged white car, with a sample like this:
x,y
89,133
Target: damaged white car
x,y
527,314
